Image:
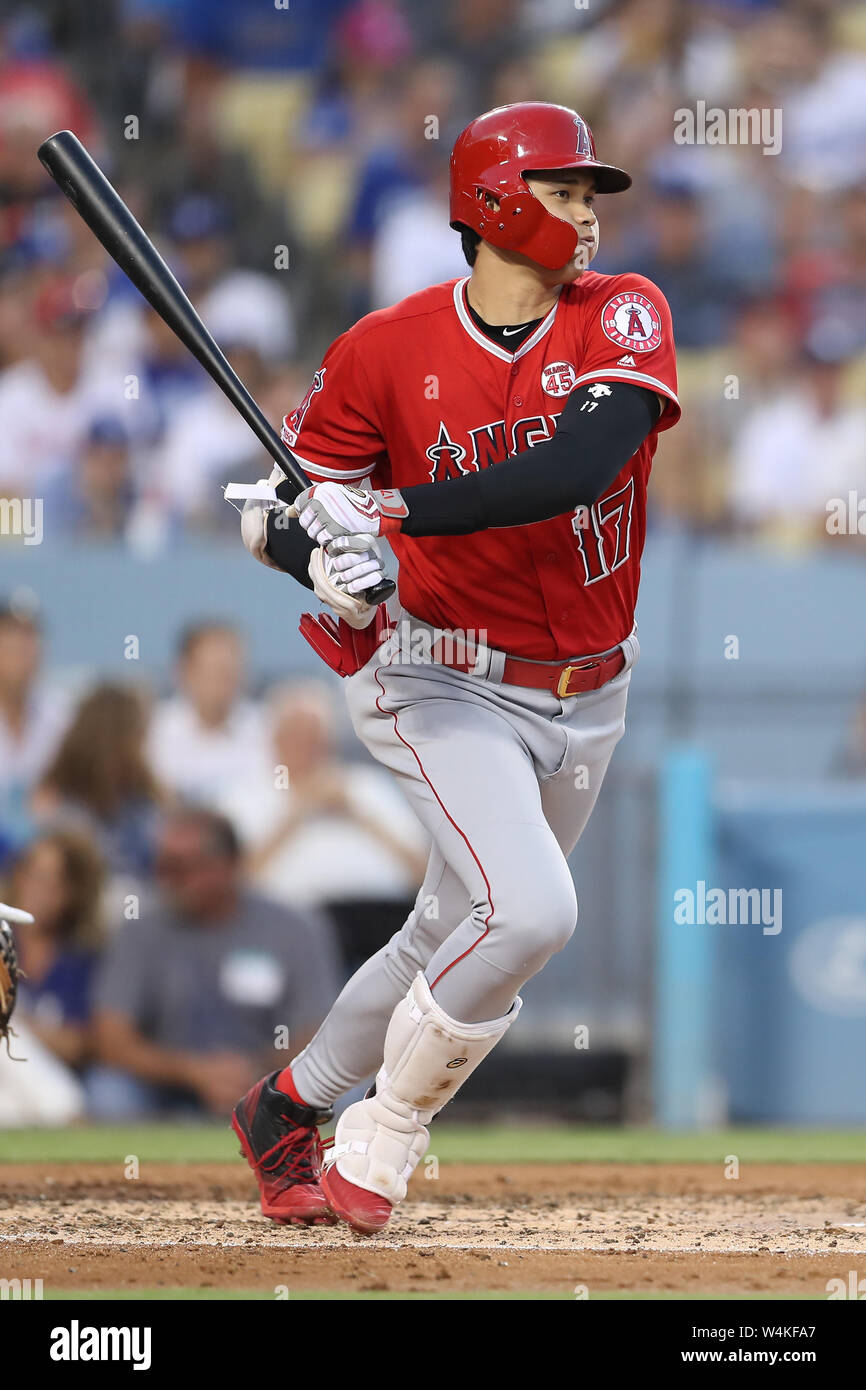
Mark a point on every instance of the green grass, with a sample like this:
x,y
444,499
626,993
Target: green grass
x,y
455,1144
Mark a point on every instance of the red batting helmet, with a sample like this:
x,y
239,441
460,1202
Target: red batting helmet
x,y
493,154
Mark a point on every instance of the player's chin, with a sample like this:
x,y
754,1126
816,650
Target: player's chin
x,y
573,269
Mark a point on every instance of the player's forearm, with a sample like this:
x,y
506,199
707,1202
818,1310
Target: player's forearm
x,y
119,1044
595,438
289,547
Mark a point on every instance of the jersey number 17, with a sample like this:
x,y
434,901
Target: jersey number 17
x,y
604,532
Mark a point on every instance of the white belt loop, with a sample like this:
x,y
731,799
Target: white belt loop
x,y
495,665
630,649
489,663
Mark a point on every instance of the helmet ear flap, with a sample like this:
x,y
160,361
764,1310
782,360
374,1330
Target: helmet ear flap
x,y
521,223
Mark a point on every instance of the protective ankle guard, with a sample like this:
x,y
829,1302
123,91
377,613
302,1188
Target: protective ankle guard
x,y
428,1055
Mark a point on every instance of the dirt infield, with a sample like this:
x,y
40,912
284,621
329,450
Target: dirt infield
x,y
534,1228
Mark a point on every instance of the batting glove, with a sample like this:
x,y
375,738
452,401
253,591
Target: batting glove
x,y
332,511
339,580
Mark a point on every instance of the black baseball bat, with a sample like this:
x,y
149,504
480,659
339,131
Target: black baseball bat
x,y
101,207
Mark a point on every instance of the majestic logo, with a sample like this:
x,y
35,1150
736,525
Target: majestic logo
x,y
446,457
292,423
558,378
626,361
632,321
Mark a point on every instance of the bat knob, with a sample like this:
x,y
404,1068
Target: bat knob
x,y
380,592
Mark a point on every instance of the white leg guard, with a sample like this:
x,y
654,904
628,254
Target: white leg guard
x,y
380,1140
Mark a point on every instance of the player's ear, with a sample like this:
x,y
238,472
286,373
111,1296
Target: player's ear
x,y
491,203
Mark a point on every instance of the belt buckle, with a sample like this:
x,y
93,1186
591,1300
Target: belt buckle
x,y
566,675
564,678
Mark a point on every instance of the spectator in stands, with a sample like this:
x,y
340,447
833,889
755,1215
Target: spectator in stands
x,y
414,245
677,260
33,715
99,779
723,388
59,876
96,499
49,399
796,453
207,443
200,229
400,166
197,999
197,160
21,272
325,832
165,374
826,288
37,97
208,737
822,85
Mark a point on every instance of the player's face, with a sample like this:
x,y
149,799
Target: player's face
x,y
570,196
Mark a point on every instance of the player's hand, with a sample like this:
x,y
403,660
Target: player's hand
x,y
331,511
340,577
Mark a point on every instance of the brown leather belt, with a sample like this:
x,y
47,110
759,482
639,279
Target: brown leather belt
x,y
570,678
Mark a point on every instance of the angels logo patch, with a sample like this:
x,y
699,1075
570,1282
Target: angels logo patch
x,y
292,423
632,321
558,378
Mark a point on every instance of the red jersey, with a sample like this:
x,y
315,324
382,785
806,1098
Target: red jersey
x,y
417,393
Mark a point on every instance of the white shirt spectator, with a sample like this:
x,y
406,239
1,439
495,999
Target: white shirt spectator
x,y
40,429
206,440
25,754
825,126
789,460
414,247
249,308
204,764
331,858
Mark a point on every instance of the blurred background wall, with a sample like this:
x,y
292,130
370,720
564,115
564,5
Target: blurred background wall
x,y
292,164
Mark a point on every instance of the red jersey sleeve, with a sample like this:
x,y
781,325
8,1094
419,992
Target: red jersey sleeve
x,y
628,336
335,432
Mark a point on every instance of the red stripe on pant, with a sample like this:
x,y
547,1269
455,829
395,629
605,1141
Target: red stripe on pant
x,y
451,821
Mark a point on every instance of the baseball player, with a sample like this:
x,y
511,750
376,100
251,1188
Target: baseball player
x,y
498,431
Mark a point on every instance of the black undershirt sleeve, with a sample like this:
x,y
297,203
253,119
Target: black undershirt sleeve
x,y
596,435
289,546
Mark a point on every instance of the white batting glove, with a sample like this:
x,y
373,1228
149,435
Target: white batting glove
x,y
340,579
328,511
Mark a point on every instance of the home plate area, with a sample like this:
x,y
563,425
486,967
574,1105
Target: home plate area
x,y
553,1230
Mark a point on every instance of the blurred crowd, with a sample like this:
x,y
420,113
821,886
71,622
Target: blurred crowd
x,y
293,163
204,870
204,865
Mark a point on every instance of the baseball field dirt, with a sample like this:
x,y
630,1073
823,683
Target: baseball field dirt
x,y
510,1229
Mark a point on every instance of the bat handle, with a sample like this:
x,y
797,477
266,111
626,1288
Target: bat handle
x,y
287,492
379,592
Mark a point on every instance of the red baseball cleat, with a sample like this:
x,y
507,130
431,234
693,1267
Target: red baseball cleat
x,y
366,1212
280,1141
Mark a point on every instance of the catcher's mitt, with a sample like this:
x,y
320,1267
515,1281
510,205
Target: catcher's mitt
x,y
10,972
